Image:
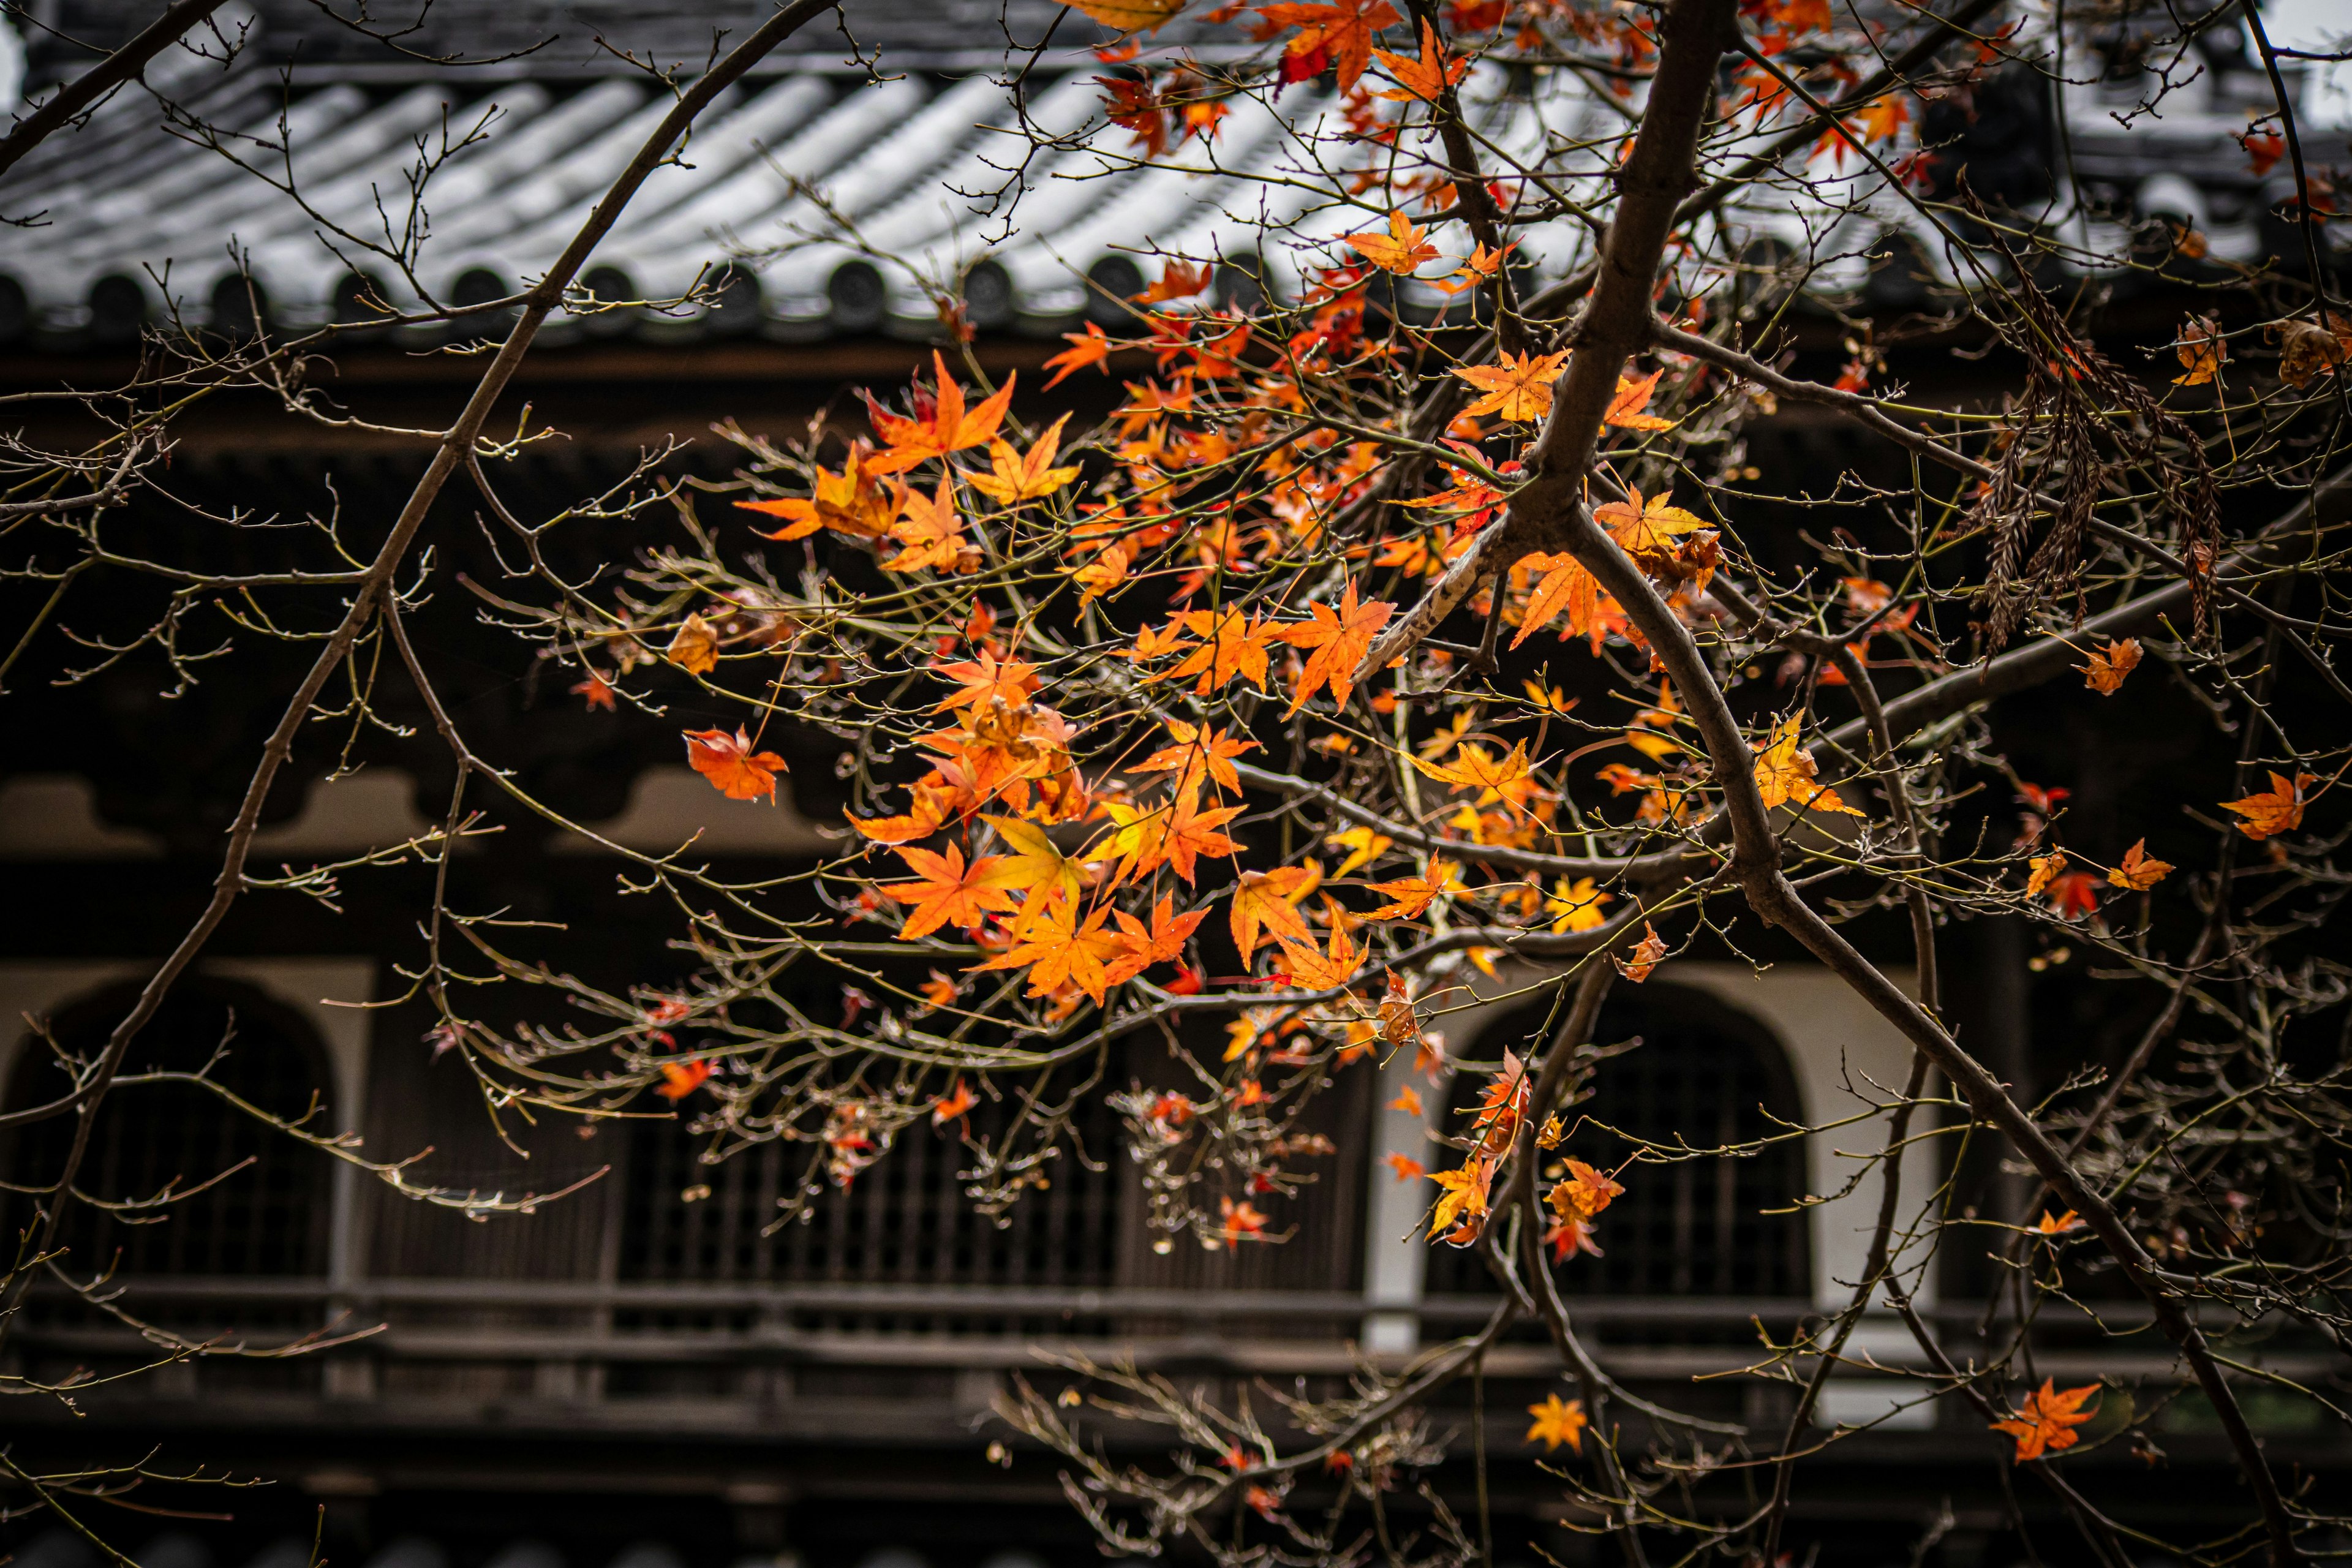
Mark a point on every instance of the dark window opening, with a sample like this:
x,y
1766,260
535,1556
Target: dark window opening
x,y
268,1216
1707,1074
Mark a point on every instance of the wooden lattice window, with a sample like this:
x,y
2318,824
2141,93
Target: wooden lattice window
x,y
269,1218
904,1221
1698,1227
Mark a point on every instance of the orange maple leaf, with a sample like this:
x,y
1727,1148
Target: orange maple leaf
x,y
1406,1167
2278,809
1476,267
1585,1193
2201,350
955,1104
1402,249
1158,642
2104,674
1414,894
1337,641
1163,942
1241,1223
1557,1421
950,893
1636,966
1425,79
847,502
731,765
1565,585
596,692
1263,900
2140,871
1633,397
1800,16
1191,833
1319,971
682,1078
987,680
2046,1421
1337,36
1061,948
1200,751
950,428
1089,347
924,817
1518,388
1230,645
2058,1223
695,648
1883,117
930,532
1130,16
1177,279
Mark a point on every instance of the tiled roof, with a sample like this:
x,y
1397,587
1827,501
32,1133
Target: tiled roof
x,y
142,224
820,202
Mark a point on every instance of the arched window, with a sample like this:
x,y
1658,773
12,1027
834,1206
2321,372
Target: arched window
x,y
1712,1076
267,1209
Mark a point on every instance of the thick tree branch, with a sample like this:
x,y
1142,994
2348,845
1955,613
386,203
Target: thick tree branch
x,y
1614,326
1756,861
125,64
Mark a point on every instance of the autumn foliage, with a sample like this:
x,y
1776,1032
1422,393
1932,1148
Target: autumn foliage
x,y
1418,627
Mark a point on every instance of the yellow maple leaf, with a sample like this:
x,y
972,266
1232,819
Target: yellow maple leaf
x,y
1575,906
1025,477
2043,870
1130,16
1518,388
1261,900
1363,846
1465,1197
1035,865
1505,779
1784,773
1401,249
1644,527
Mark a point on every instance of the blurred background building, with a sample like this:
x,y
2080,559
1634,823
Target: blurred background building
x,y
640,1374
